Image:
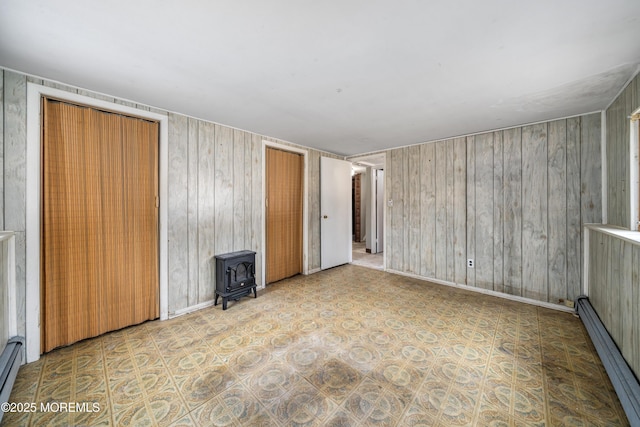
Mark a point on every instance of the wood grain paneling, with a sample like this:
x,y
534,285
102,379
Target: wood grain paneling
x,y
617,134
190,174
449,203
574,220
206,226
5,320
512,200
242,199
614,278
414,214
428,209
557,220
178,208
15,137
313,210
512,252
224,189
498,212
254,216
591,169
406,208
484,204
459,210
471,208
395,193
2,148
535,201
441,210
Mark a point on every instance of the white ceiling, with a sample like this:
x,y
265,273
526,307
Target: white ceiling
x,y
350,76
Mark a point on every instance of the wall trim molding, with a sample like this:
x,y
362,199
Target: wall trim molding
x,y
603,167
33,197
486,292
191,309
634,172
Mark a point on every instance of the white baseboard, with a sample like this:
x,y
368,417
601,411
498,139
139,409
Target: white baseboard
x,y
190,309
544,304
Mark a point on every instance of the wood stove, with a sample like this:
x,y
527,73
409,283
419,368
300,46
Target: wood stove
x,y
235,276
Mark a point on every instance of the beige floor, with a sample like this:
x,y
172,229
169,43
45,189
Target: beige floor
x,y
345,347
364,259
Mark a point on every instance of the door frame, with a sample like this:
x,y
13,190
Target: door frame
x,y
33,201
305,193
379,163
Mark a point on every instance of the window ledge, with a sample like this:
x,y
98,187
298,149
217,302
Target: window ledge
x,y
619,232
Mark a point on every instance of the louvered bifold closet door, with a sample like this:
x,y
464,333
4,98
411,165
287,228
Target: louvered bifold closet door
x,y
284,214
99,222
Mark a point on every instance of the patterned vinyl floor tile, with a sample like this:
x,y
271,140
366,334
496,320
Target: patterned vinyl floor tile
x,y
349,346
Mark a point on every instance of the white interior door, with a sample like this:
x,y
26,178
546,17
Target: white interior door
x,y
335,209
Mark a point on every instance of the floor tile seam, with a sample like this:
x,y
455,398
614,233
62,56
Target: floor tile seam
x,y
74,375
215,396
307,378
242,383
36,396
422,382
309,383
569,358
339,408
170,374
411,402
150,412
545,386
138,375
481,388
105,373
516,346
218,402
461,363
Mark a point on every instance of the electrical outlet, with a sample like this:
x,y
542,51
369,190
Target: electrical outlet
x,y
470,263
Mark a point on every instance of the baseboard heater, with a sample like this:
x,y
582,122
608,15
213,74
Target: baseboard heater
x,y
10,361
620,374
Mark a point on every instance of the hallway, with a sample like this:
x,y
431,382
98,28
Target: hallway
x,y
364,259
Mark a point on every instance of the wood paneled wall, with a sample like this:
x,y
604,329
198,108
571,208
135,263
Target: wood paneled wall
x,y
618,136
215,191
215,203
514,201
14,154
614,262
614,280
5,309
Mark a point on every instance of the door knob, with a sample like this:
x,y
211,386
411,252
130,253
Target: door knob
x,y
325,217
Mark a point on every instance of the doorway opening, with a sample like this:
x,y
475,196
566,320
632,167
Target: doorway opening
x,y
368,210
